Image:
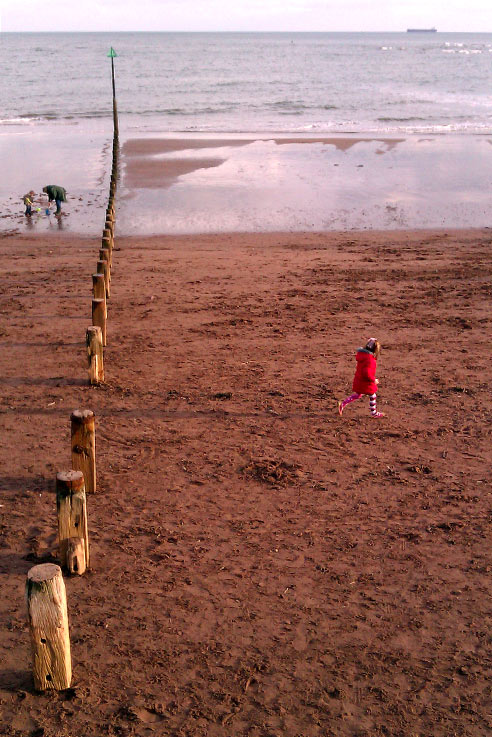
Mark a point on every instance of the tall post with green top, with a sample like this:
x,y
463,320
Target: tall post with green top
x,y
112,54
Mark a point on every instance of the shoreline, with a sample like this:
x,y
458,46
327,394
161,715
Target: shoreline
x,y
205,183
85,241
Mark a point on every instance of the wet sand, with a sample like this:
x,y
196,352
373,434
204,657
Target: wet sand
x,y
180,184
261,566
145,168
201,184
76,156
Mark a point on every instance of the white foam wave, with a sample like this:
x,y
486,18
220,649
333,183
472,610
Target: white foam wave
x,y
17,121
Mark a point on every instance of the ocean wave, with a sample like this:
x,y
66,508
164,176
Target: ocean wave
x,y
49,118
343,128
292,107
411,119
283,121
285,105
16,121
209,110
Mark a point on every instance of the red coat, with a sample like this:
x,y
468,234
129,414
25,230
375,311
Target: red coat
x,y
365,374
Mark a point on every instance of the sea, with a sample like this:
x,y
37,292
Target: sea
x,y
252,82
431,93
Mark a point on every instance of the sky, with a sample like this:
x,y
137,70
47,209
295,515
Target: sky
x,y
245,15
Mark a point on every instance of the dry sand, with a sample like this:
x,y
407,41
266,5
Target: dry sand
x,y
261,566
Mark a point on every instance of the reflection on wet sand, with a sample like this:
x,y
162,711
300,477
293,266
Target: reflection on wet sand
x,y
204,184
150,164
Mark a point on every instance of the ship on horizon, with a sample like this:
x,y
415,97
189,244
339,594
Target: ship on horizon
x,y
421,30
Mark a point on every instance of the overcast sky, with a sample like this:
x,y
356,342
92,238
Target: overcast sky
x,y
245,15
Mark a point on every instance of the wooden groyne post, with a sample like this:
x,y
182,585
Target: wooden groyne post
x,y
83,441
102,267
95,354
112,55
73,536
48,627
96,334
99,287
99,316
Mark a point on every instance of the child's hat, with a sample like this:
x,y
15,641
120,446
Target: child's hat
x,y
32,192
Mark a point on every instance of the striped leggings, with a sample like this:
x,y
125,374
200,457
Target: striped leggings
x,y
354,396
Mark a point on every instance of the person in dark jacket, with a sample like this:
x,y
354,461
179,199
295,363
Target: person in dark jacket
x,y
57,194
365,381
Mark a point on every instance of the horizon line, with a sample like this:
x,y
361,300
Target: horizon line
x,y
231,31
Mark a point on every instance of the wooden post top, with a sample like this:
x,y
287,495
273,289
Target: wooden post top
x,y
94,329
70,480
43,572
69,475
83,415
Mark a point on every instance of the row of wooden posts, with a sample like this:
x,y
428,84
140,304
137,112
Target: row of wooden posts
x,y
96,335
45,587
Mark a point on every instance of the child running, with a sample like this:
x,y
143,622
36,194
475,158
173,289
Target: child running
x,y
365,381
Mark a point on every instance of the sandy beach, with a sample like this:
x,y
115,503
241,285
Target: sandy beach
x,y
260,566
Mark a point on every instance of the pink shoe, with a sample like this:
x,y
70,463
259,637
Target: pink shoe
x,y
379,414
340,407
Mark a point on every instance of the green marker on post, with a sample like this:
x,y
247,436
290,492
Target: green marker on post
x,y
112,54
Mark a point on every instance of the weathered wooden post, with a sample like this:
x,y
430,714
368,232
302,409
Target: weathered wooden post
x,y
99,317
105,255
98,286
83,438
103,268
48,627
107,233
107,243
76,556
95,354
72,521
99,289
